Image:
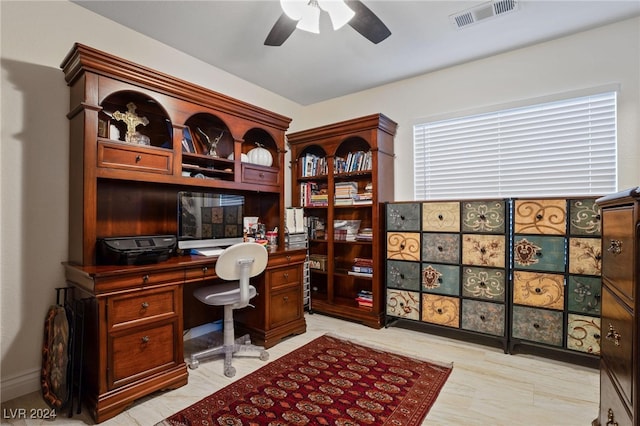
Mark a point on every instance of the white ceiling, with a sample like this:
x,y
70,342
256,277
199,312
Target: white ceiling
x,y
310,68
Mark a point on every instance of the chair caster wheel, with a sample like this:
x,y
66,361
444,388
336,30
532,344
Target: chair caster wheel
x,y
229,371
264,355
193,364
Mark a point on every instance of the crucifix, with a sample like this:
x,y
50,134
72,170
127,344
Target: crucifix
x,y
132,120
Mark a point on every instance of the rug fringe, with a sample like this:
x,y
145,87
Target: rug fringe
x,y
389,350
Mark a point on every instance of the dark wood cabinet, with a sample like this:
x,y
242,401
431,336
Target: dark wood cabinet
x,y
342,173
137,138
619,369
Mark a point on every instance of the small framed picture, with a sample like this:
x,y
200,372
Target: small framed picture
x,y
187,141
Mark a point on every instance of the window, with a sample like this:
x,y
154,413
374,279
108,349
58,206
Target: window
x,y
559,148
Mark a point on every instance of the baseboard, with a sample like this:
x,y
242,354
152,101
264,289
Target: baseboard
x,y
19,385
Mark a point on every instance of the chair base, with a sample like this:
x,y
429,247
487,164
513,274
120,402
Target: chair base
x,y
241,344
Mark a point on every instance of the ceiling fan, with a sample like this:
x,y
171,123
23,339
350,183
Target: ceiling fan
x,y
305,15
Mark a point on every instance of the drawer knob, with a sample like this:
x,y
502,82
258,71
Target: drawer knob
x,y
482,318
440,248
482,284
145,305
288,258
610,419
536,325
402,217
483,250
145,278
440,217
612,334
286,275
539,216
204,269
261,175
538,290
483,217
615,247
138,158
439,311
285,298
145,339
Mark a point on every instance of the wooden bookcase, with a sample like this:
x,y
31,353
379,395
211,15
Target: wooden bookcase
x,y
329,166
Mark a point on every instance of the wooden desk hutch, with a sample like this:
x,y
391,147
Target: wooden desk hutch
x,y
135,315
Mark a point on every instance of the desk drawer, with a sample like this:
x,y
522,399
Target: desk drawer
x,y
259,175
284,276
201,272
137,280
140,306
131,157
285,307
618,249
141,353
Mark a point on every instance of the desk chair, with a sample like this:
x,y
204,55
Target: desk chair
x,y
238,262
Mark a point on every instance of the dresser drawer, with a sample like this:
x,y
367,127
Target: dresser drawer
x,y
484,216
259,175
540,253
403,275
403,217
537,325
285,306
403,304
484,317
484,250
583,334
284,276
137,280
612,410
617,345
484,283
441,310
546,217
200,273
403,246
585,256
585,218
441,217
441,279
140,306
584,295
441,248
538,289
618,249
140,353
134,157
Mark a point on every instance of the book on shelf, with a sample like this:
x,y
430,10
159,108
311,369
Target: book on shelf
x,y
312,165
363,269
356,161
364,299
360,274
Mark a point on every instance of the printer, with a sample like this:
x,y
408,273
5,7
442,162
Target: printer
x,y
136,250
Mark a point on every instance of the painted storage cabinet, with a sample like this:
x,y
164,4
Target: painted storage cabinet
x,y
447,266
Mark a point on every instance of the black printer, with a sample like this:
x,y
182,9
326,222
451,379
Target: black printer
x,y
135,250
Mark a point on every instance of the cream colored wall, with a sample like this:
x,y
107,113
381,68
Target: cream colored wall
x,y
36,36
34,132
600,57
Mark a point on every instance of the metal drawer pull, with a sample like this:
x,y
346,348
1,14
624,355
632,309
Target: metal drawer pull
x,y
612,334
145,305
610,420
145,278
615,247
285,298
138,158
204,269
145,339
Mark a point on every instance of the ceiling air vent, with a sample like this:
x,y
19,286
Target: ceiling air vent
x,y
483,11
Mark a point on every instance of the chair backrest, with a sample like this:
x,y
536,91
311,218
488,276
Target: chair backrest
x,y
240,262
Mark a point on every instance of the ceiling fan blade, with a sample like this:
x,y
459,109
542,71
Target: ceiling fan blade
x,y
367,23
281,31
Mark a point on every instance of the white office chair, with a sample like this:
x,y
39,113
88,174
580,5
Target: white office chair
x,y
239,263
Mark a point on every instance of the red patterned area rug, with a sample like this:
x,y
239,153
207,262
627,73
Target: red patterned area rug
x,y
329,381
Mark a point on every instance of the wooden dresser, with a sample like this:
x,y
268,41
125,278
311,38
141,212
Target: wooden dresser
x,y
619,374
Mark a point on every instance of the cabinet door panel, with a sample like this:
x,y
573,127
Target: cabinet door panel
x,y
585,256
403,217
441,279
537,325
403,304
538,289
484,283
441,217
441,248
403,275
540,217
583,334
483,317
441,310
539,253
484,250
483,216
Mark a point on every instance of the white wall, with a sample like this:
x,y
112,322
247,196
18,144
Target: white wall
x,y
600,57
36,36
34,132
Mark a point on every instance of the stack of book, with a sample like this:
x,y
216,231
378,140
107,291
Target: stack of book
x,y
362,267
344,193
298,240
364,234
313,194
365,299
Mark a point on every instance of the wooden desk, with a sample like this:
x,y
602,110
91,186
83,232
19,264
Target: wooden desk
x,y
136,315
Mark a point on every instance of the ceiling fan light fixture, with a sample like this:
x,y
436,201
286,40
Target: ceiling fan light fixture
x,y
310,20
294,8
338,11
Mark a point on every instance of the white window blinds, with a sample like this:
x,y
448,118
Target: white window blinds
x,y
559,148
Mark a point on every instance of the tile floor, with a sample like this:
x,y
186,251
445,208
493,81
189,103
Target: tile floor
x,y
486,387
